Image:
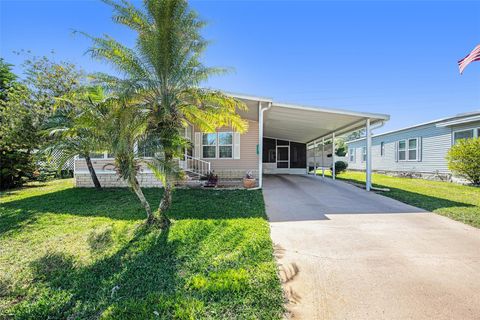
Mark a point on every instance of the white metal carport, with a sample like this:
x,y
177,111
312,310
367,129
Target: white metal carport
x,y
312,125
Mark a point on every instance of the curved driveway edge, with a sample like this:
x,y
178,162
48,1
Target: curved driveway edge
x,y
345,253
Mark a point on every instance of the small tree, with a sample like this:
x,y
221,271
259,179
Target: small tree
x,y
464,159
18,134
72,130
125,126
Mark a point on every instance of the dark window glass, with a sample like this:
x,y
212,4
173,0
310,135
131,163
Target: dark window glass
x,y
225,151
269,150
282,153
209,151
283,143
298,155
467,134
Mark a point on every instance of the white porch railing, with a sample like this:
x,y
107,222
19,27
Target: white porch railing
x,y
195,165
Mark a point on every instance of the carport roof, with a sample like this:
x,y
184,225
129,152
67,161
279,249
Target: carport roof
x,y
305,124
308,123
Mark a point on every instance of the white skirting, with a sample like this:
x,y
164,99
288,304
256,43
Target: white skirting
x,y
271,168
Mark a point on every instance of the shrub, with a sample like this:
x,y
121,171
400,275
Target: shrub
x,y
464,159
17,166
340,166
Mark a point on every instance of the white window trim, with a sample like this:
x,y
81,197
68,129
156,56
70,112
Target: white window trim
x,y
218,145
364,154
382,148
475,133
407,149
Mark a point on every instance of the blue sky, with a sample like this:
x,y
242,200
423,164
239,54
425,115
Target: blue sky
x,y
389,57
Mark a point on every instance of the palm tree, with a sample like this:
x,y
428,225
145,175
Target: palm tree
x,y
125,126
69,132
163,73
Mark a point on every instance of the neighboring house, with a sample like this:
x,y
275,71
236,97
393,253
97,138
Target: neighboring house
x,y
275,142
418,150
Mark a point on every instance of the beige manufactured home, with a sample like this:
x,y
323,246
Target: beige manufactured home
x,y
276,142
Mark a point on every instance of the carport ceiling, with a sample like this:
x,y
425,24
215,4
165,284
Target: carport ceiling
x,y
304,124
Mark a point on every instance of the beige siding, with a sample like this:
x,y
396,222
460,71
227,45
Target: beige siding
x,y
236,168
224,168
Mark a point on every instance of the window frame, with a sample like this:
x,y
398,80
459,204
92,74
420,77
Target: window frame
x,y
224,145
364,154
408,149
210,145
217,145
382,148
475,133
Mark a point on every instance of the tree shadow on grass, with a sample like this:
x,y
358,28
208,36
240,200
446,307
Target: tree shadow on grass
x,y
156,275
145,265
122,204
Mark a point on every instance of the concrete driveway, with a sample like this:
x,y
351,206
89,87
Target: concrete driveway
x,y
345,253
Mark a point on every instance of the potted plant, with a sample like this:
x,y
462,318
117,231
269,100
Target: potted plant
x,y
249,180
212,180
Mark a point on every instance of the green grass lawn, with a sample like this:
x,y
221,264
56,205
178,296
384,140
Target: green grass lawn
x,y
83,254
458,202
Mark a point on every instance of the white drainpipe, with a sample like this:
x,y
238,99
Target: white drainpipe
x,y
368,164
260,141
333,156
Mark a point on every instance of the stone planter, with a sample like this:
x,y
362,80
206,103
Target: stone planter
x,y
249,183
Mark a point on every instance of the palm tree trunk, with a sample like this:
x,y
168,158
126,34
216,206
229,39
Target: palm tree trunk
x,y
165,205
138,191
93,174
166,201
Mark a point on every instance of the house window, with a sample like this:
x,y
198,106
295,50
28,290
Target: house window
x,y
94,155
225,145
464,134
408,150
209,145
351,155
364,154
148,146
412,149
402,146
382,148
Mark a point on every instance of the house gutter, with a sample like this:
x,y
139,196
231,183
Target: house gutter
x,y
260,141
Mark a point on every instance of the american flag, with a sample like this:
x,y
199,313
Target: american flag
x,y
472,56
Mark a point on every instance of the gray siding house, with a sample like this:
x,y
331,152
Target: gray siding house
x,y
418,150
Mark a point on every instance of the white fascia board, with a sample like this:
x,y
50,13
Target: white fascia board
x,y
247,97
458,121
378,116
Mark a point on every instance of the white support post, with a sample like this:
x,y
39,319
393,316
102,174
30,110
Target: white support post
x,y
333,156
314,159
260,145
260,141
323,157
368,162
